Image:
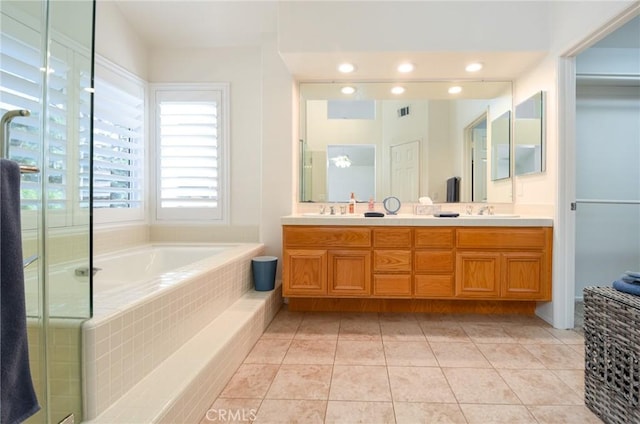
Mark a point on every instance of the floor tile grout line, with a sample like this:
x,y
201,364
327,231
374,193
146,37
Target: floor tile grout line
x,y
476,344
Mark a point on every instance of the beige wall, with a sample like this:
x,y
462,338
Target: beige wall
x,y
117,41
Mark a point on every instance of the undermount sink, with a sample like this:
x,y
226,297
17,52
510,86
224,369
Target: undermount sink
x,y
494,216
328,215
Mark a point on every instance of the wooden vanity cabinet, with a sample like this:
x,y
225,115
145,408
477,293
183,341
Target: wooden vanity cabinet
x,y
448,263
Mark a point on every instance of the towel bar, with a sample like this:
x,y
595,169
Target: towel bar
x,y
26,169
28,261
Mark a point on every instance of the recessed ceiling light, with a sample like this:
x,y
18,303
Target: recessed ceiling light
x,y
348,90
405,67
455,89
473,67
345,68
397,90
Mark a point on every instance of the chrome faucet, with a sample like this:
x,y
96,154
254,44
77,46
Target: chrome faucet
x,y
488,209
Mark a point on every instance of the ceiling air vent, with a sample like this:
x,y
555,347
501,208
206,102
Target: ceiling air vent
x,y
403,111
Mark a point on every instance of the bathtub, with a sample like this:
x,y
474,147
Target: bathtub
x,y
155,265
149,302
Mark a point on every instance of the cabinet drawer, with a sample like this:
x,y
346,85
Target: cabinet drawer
x,y
392,260
392,237
326,236
395,285
501,238
434,237
434,261
434,286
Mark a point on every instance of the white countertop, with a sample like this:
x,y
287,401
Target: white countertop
x,y
411,220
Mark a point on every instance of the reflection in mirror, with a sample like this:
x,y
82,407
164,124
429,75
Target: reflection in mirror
x,y
351,169
501,146
528,135
421,138
476,135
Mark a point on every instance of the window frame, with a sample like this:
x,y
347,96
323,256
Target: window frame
x,y
219,214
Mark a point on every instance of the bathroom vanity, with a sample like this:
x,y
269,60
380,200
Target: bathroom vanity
x,y
409,263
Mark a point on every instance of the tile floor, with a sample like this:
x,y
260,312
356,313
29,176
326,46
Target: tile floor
x,y
408,368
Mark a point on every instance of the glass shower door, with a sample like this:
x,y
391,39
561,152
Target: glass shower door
x,y
46,68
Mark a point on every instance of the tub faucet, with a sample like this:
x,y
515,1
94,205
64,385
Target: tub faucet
x,y
83,271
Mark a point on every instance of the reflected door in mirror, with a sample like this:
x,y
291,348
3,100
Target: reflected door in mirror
x,y
405,171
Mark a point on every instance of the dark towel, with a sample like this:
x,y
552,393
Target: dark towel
x,y
17,397
626,287
453,189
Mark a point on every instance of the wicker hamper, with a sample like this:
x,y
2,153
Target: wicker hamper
x,y
612,351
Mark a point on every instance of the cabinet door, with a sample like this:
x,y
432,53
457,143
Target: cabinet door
x,y
304,272
523,276
478,274
349,272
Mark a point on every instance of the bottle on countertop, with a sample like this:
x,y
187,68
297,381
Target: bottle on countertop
x,y
372,204
352,204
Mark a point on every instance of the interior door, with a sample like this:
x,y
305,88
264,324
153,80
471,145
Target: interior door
x,y
405,171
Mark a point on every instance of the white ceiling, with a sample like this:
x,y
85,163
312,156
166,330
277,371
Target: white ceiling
x,y
211,24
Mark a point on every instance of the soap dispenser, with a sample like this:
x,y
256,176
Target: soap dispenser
x,y
352,204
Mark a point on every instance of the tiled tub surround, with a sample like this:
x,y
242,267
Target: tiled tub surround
x,y
64,374
135,329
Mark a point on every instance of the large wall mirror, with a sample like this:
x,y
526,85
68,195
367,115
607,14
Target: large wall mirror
x,y
529,135
419,139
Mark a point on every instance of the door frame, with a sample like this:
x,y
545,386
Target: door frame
x,y
468,180
561,311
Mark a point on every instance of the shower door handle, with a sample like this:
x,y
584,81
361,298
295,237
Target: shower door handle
x,y
4,122
5,140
